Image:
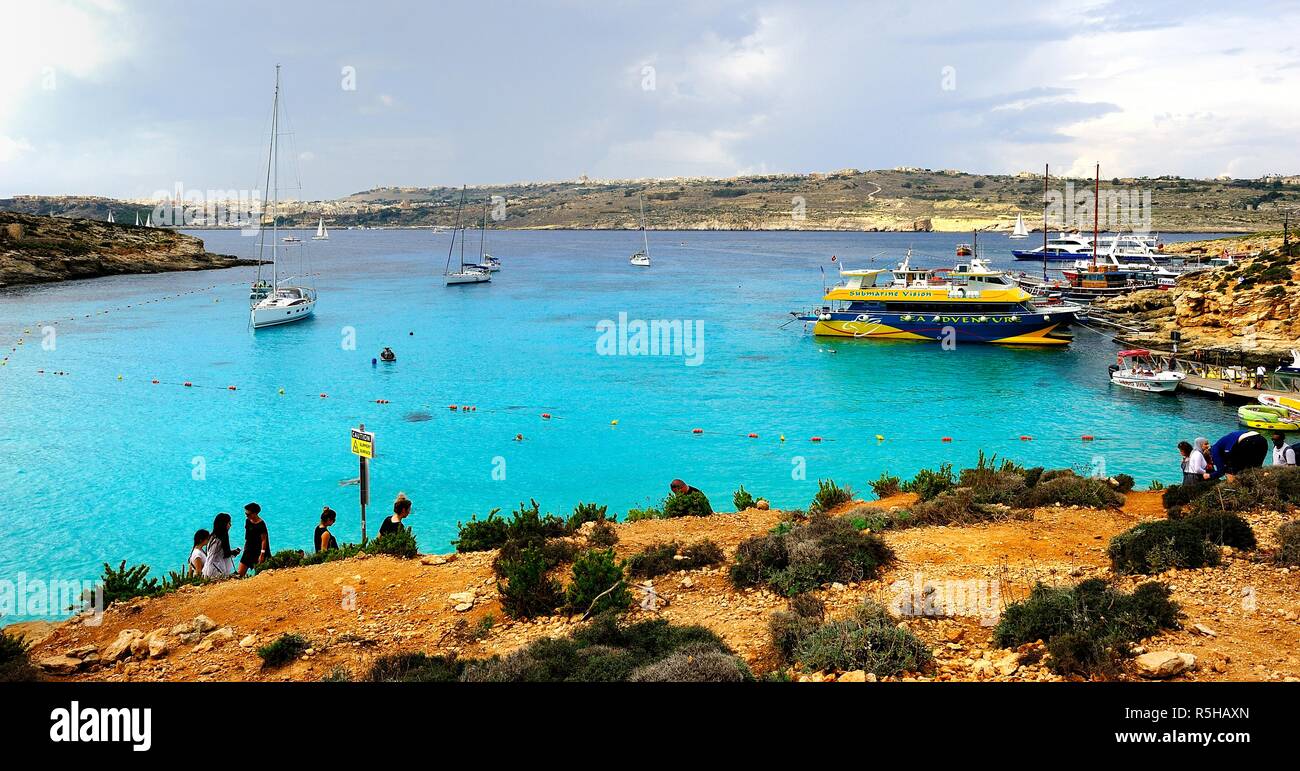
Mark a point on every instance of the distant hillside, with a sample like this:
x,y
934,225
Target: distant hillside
x,y
35,250
843,200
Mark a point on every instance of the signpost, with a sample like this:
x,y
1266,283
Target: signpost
x,y
363,446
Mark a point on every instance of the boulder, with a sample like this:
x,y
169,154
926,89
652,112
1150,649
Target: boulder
x,y
856,676
461,598
1008,664
204,624
248,641
121,647
60,665
1159,665
159,646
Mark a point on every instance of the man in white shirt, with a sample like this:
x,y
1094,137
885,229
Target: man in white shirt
x,y
1282,454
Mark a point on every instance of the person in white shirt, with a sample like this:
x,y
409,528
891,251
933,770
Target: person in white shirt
x,y
198,557
1283,455
1194,469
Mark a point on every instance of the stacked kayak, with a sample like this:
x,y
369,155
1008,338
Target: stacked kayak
x,y
1268,417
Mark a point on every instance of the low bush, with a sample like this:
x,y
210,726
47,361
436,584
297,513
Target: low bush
x,y
1071,490
15,665
870,639
586,512
661,558
636,515
527,590
282,650
700,664
1177,496
873,518
598,584
415,668
742,499
1272,488
399,543
1224,530
957,506
692,504
125,583
1288,540
788,627
927,483
1154,547
886,486
1090,628
828,496
605,650
602,534
1124,483
293,558
481,534
823,550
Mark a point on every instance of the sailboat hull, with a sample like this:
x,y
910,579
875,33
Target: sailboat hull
x,y
469,277
275,316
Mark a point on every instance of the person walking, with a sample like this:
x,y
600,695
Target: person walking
x,y
401,510
257,540
1194,469
323,539
219,558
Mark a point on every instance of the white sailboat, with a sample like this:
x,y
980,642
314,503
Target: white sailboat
x,y
642,258
277,302
1020,231
322,234
137,219
465,274
110,217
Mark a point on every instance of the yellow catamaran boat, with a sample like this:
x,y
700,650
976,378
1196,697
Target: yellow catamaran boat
x,y
970,303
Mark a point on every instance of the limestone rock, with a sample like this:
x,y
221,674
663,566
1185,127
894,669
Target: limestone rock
x,y
60,665
204,624
1159,665
121,647
856,676
248,641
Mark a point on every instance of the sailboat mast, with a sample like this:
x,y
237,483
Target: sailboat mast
x,y
1047,171
1096,196
482,233
452,246
644,236
275,183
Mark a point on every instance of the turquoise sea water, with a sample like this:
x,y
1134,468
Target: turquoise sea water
x,y
96,469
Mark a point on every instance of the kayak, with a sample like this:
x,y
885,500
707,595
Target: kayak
x,y
1268,418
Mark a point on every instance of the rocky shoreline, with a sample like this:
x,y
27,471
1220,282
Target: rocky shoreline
x,y
36,249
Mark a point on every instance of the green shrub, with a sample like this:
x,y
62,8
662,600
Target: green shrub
x,y
692,504
870,639
742,499
15,665
1089,628
927,484
1176,496
399,543
481,534
868,517
527,590
282,650
788,627
289,558
661,558
127,583
602,650
603,534
415,668
1288,539
292,558
1071,490
956,506
886,486
1154,547
829,495
1224,530
649,512
823,550
598,584
584,513
1124,483
699,664
1272,488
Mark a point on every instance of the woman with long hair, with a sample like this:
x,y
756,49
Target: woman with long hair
x,y
221,558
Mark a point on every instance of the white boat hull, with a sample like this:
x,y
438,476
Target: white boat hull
x,y
271,316
1163,382
469,277
640,262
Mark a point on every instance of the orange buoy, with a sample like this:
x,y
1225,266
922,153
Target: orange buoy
x,y
697,430
753,436
947,439
155,382
546,416
1025,438
324,396
452,407
188,384
816,439
231,388
1088,437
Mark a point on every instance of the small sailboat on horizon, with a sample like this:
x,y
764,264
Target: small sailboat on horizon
x,y
642,258
322,233
1020,230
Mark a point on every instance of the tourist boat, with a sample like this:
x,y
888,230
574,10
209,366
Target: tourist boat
x,y
1071,247
1095,283
1138,369
322,234
278,301
465,274
1020,230
292,240
1291,370
1268,418
965,250
970,303
1164,276
642,258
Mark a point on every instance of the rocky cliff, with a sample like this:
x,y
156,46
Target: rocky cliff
x,y
35,249
1252,307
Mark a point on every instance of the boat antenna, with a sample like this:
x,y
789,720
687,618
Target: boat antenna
x,y
482,232
452,246
275,176
1096,210
644,236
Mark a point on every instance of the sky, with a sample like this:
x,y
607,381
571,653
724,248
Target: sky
x,y
126,98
